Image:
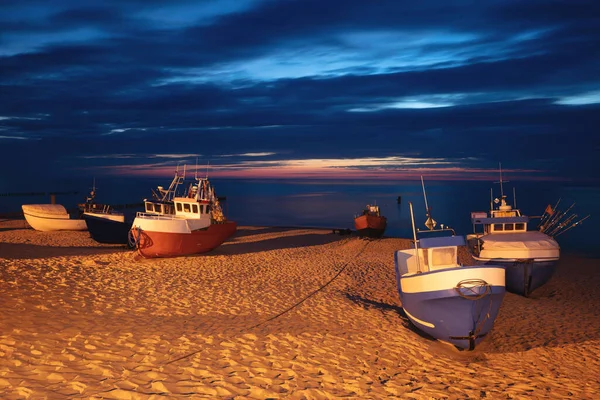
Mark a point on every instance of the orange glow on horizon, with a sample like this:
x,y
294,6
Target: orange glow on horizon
x,y
347,173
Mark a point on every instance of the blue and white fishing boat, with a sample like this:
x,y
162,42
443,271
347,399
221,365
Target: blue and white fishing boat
x,y
530,257
451,302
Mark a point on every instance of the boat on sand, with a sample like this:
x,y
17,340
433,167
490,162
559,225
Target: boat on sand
x,y
105,229
530,257
370,223
51,217
453,303
197,226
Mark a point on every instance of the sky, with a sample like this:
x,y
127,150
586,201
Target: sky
x,y
352,89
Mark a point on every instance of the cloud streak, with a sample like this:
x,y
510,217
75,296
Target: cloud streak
x,y
294,82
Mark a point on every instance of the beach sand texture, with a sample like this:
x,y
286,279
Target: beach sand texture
x,y
84,320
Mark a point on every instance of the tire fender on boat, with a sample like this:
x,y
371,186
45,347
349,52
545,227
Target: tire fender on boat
x,y
133,241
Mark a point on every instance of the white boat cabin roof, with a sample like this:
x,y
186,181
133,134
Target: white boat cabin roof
x,y
189,200
192,208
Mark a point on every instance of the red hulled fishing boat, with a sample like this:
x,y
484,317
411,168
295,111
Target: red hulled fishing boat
x,y
370,223
198,225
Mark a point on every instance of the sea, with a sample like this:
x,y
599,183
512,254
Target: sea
x,y
333,204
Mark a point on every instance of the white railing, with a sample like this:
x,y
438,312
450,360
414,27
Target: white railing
x,y
155,216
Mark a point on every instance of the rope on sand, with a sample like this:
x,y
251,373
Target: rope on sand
x,y
289,308
254,326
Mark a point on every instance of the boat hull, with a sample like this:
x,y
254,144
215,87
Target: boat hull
x,y
105,230
370,225
445,306
524,276
153,244
118,217
530,258
50,217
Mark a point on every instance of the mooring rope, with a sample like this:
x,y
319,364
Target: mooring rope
x,y
132,241
472,286
469,286
298,303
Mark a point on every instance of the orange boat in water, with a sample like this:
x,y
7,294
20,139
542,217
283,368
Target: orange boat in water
x,y
370,223
198,225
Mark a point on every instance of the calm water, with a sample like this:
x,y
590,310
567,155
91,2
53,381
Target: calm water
x,y
333,204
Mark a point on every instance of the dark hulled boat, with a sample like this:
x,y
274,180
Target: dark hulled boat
x,y
105,228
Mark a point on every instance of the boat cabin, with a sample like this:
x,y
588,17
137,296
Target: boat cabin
x,y
499,224
372,210
158,208
439,252
190,208
503,220
434,254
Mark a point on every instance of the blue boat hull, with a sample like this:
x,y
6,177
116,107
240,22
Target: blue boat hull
x,y
523,277
448,317
104,230
457,305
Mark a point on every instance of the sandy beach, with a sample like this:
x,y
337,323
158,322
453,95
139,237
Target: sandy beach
x,y
272,313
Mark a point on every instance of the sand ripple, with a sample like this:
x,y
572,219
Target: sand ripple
x,y
81,320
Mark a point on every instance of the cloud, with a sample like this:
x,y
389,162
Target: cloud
x,y
300,80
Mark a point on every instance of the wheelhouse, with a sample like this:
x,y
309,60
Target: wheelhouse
x,y
500,223
158,208
440,252
191,208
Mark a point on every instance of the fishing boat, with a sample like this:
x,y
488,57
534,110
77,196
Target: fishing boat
x,y
51,217
197,226
104,228
502,238
99,211
370,223
452,303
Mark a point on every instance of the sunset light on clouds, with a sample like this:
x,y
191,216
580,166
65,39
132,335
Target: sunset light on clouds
x,y
299,89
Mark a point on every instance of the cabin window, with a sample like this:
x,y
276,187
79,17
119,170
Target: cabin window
x,y
509,227
157,208
186,207
207,208
443,257
195,208
201,208
520,227
498,227
178,205
148,207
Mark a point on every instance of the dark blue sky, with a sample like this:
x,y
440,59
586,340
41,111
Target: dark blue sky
x,y
348,89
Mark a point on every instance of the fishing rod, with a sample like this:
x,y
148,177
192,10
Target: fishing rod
x,y
563,224
547,215
574,225
558,217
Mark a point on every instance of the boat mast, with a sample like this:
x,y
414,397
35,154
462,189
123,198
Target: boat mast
x,y
412,218
501,182
424,195
430,223
501,186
